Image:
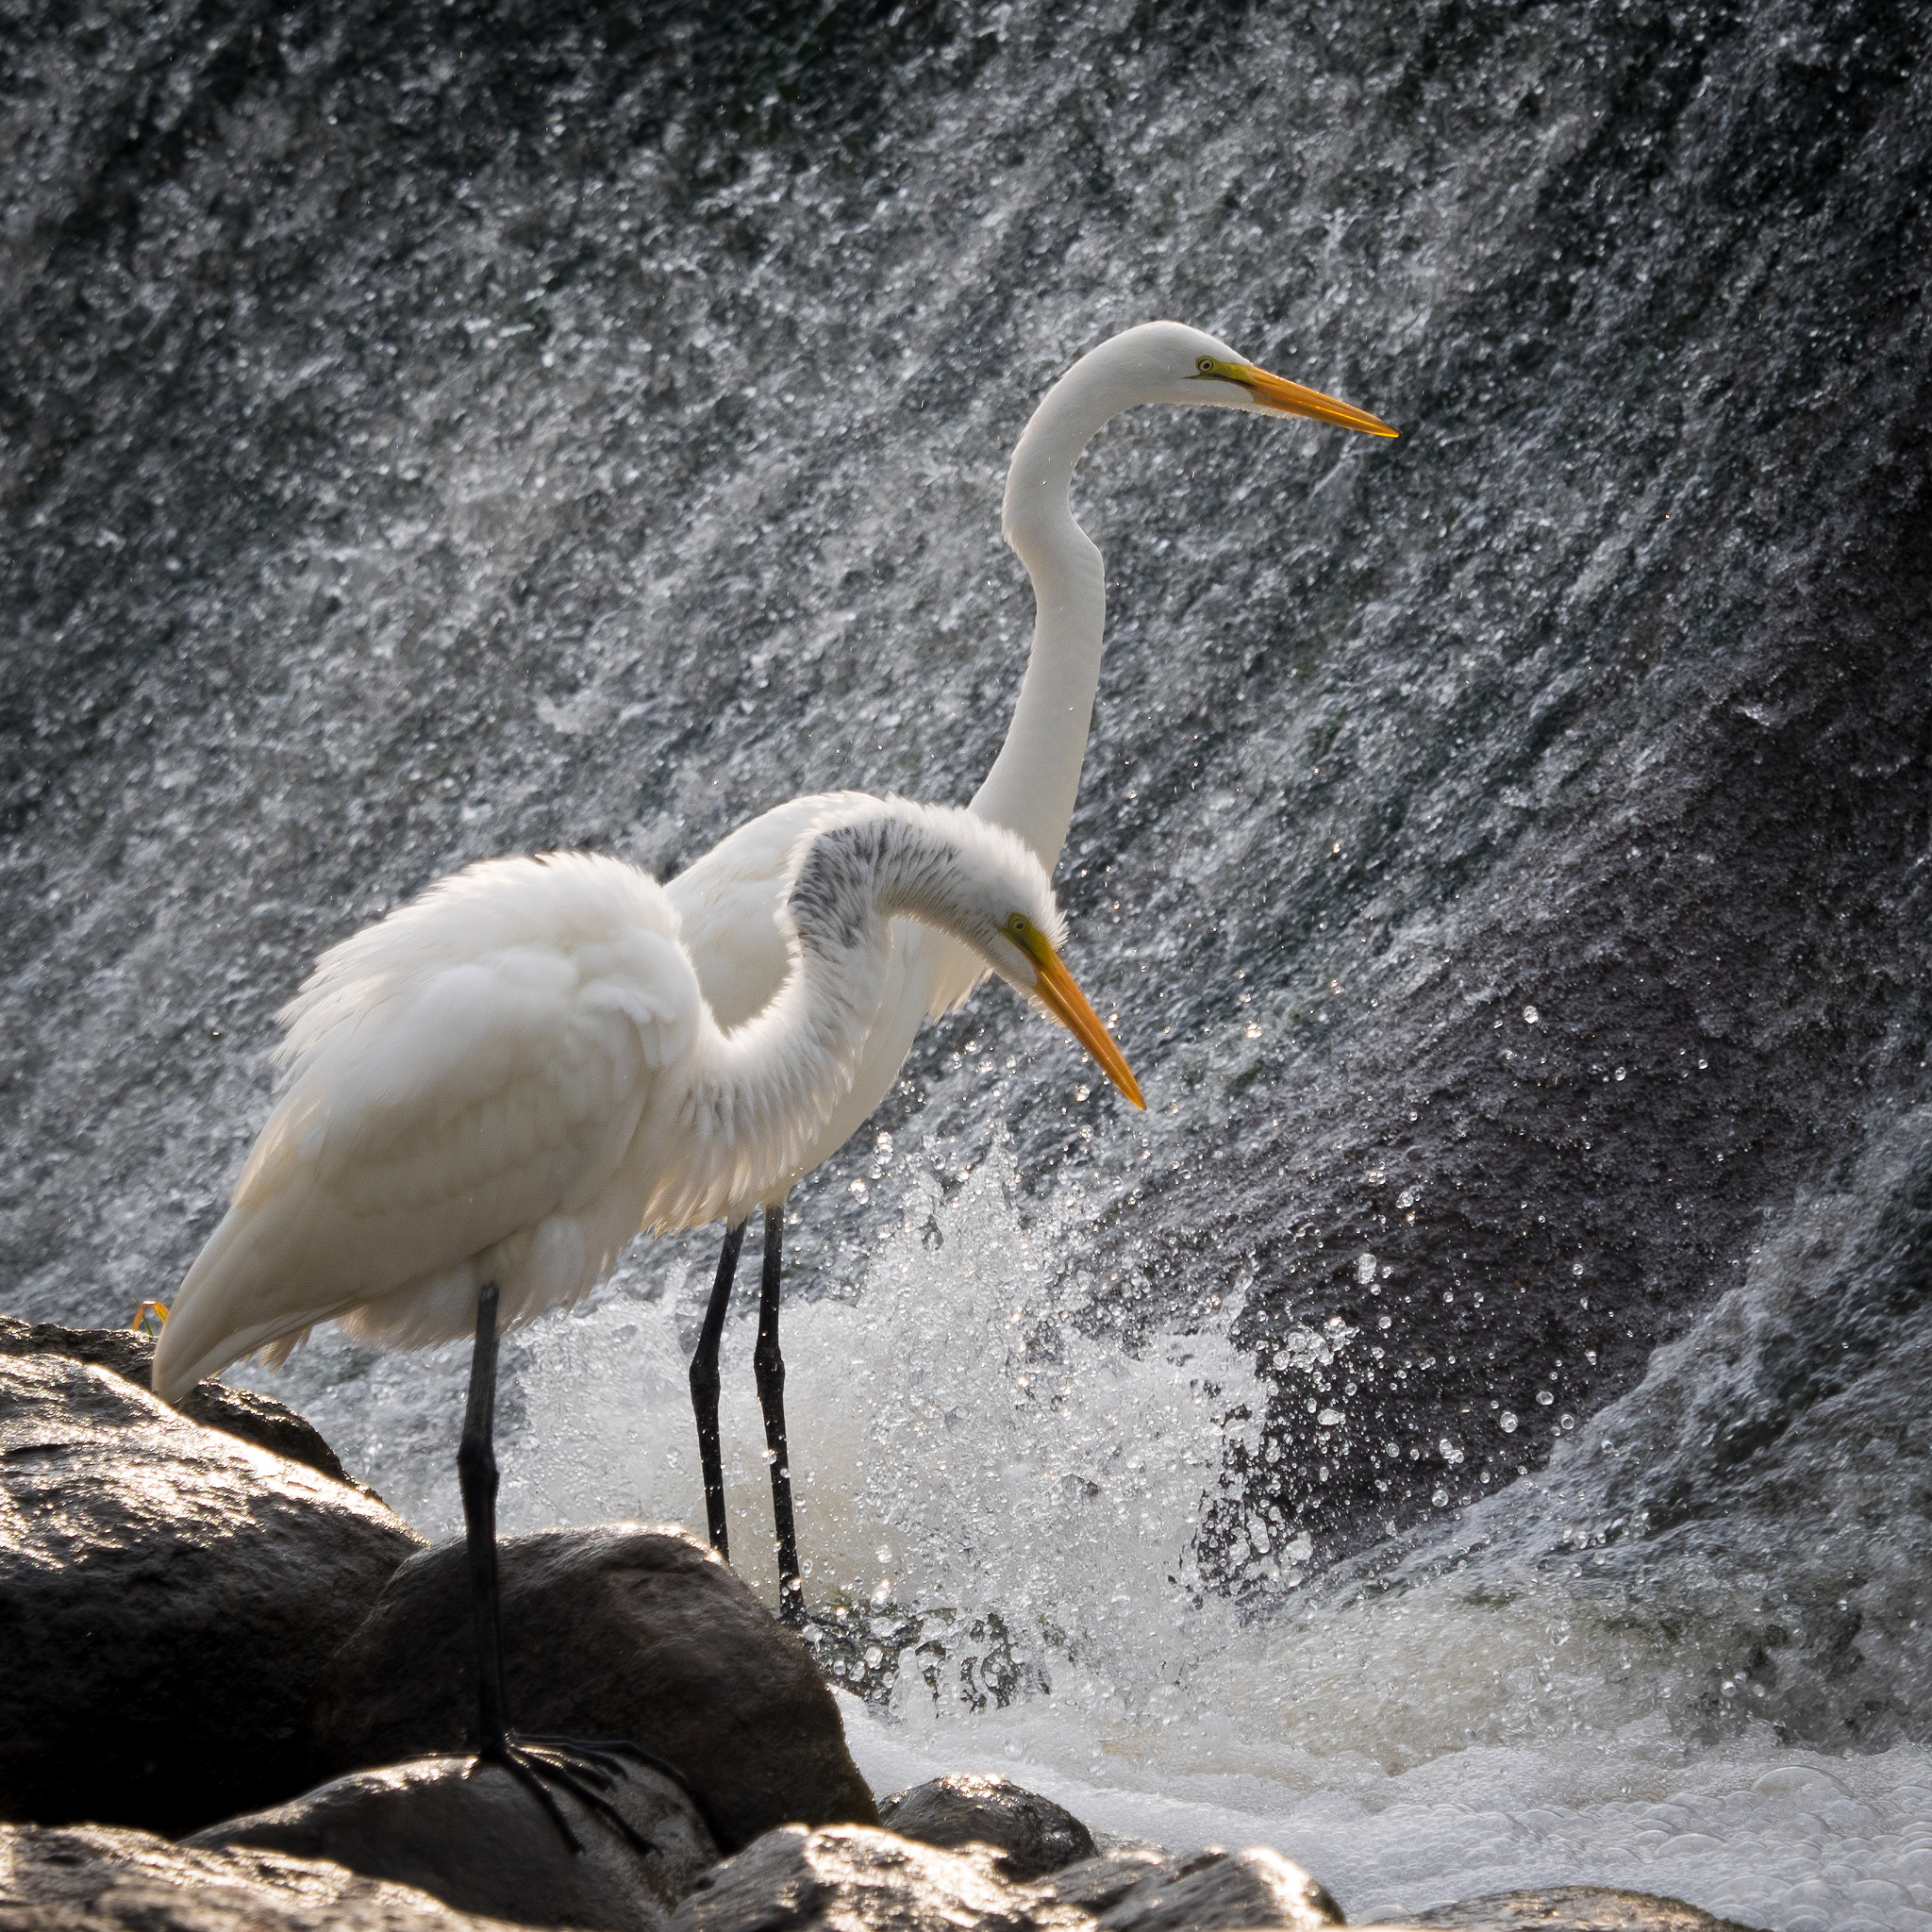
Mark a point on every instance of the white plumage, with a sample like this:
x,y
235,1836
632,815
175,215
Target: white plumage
x,y
507,1079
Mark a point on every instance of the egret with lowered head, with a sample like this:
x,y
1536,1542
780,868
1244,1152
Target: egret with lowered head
x,y
489,1092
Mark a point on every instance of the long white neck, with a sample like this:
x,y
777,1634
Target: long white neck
x,y
1036,777
761,1094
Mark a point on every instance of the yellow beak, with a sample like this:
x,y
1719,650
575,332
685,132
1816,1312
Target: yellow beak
x,y
1068,1004
1292,399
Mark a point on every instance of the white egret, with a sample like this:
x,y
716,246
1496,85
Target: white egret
x,y
489,1092
728,899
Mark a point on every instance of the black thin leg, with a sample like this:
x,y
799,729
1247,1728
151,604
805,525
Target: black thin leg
x,y
585,1771
476,1472
768,1362
703,1392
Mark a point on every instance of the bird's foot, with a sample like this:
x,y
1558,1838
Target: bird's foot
x,y
587,1770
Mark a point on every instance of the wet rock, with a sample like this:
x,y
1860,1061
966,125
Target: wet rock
x,y
854,1879
168,1597
94,1878
1101,1882
613,1631
256,1418
474,1837
1257,1887
1572,1908
1033,1835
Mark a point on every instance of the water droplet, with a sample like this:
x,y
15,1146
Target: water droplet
x,y
1452,1454
1441,1499
1618,1075
859,1190
1507,1419
1576,1267
1365,1269
1566,1422
1530,1016
1544,1398
1329,1418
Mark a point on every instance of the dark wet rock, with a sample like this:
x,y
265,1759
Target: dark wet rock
x,y
258,1419
1215,1890
477,1840
851,1878
168,1597
95,1879
1098,1883
1571,1908
613,1631
1033,1835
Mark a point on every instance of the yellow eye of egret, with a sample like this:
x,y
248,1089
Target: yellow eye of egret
x,y
1205,365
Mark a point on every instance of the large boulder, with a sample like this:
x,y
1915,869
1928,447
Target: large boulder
x,y
1032,1835
1571,1908
474,1837
850,1879
258,1419
1216,1890
853,1879
95,1879
616,1631
1099,1883
169,1595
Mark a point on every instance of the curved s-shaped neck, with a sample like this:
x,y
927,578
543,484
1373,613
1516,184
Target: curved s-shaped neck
x,y
1034,780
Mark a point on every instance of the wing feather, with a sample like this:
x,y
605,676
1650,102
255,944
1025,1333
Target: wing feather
x,y
463,1077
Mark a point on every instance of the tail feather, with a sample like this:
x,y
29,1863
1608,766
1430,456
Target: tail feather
x,y
210,1325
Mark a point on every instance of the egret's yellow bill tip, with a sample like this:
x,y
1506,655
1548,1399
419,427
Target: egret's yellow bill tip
x,y
1068,1004
1297,399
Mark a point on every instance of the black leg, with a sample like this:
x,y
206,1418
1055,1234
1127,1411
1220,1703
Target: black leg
x,y
585,1771
768,1362
703,1392
476,1472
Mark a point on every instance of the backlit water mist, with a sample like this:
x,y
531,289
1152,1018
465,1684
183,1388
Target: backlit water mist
x,y
1469,1430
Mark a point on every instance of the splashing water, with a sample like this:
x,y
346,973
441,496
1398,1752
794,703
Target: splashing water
x,y
999,1498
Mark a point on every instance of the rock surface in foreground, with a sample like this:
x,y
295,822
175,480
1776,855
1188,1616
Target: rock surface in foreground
x,y
615,1631
168,1597
1571,1908
94,1878
258,1419
1032,1835
475,1839
1099,1883
854,1878
1217,1890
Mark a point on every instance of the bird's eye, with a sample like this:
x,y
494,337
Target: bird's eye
x,y
1205,365
1017,925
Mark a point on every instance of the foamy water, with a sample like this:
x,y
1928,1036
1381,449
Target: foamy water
x,y
999,1497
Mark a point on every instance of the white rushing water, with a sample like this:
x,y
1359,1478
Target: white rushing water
x,y
999,1494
